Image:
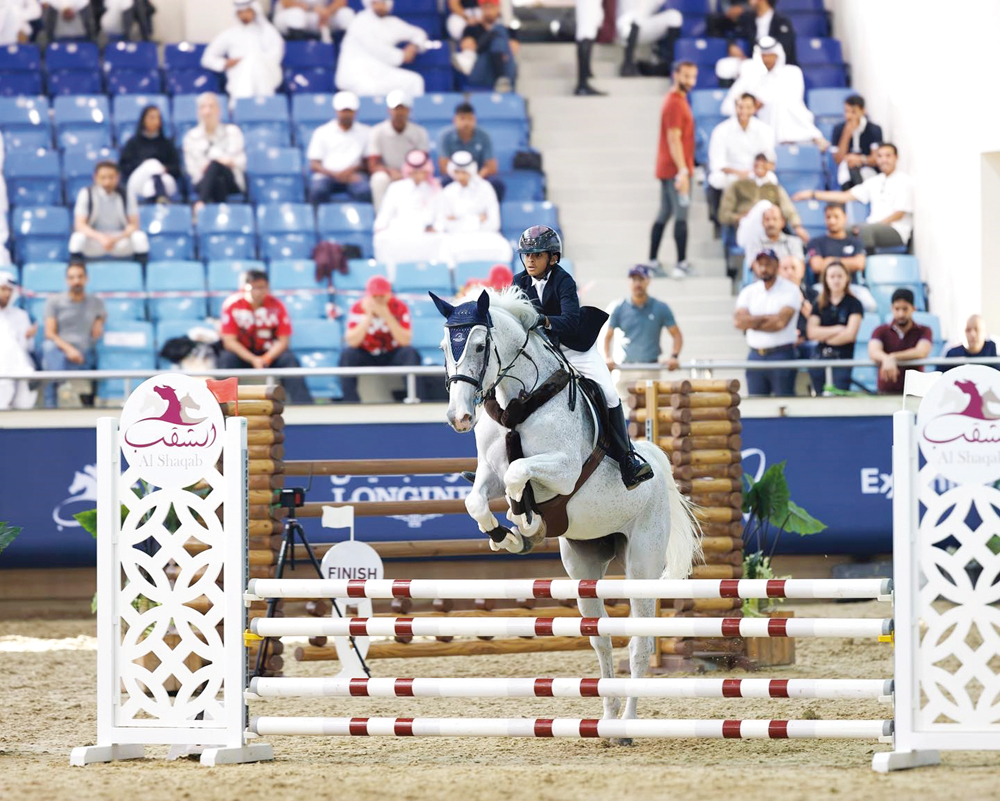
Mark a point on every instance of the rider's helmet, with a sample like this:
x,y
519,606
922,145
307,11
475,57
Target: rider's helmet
x,y
540,239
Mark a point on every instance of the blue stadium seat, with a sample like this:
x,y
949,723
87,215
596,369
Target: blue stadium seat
x,y
516,217
427,332
78,167
286,230
358,273
309,53
133,82
703,52
25,119
437,110
303,304
294,274
118,276
317,343
33,178
883,296
41,279
347,223
706,102
126,345
75,83
170,232
309,111
128,109
828,102
503,152
185,113
421,276
263,112
226,231
892,269
693,27
82,119
797,181
490,107
523,185
466,271
372,110
41,233
72,56
825,75
818,51
933,322
275,175
866,377
20,84
71,138
798,158
810,24
422,307
182,56
171,329
689,8
434,65
186,82
224,280
265,139
20,58
123,55
702,136
320,386
309,80
176,276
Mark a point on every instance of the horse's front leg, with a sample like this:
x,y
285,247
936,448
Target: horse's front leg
x,y
550,471
477,503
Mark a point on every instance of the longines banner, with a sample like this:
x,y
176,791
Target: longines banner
x,y
839,469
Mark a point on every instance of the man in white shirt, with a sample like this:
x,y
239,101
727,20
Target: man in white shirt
x,y
215,156
890,195
734,145
770,235
768,311
337,152
305,19
370,62
249,52
469,214
389,143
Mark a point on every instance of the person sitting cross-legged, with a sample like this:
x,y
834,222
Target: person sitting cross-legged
x,y
105,225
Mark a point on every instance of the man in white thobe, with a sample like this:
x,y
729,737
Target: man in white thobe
x,y
469,214
17,336
780,92
16,17
249,52
300,19
370,62
405,226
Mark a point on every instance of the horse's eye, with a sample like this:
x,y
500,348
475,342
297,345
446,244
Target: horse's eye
x,y
480,348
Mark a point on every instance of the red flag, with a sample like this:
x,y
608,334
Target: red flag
x,y
225,390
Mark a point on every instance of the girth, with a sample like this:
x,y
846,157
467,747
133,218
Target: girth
x,y
553,511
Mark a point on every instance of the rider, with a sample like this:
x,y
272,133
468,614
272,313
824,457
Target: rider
x,y
574,330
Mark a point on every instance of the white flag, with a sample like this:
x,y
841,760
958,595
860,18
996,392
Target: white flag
x,y
339,517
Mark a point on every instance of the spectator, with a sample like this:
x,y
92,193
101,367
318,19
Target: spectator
x,y
500,278
641,22
674,165
742,195
378,334
105,225
19,21
215,156
462,14
890,193
74,324
728,68
249,53
770,235
977,345
466,135
469,215
780,92
900,340
17,337
589,17
858,139
486,51
404,227
836,245
69,19
761,20
734,146
640,318
120,16
723,23
804,349
256,331
150,163
767,310
309,19
337,153
389,143
833,324
370,63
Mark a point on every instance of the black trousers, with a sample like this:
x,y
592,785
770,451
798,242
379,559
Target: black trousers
x,y
296,387
427,388
217,184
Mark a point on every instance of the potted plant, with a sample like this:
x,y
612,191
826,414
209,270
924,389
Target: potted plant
x,y
8,534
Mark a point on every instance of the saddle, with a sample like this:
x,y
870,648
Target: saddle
x,y
553,511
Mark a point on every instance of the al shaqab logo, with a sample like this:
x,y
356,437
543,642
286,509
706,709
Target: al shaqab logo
x,y
170,429
974,424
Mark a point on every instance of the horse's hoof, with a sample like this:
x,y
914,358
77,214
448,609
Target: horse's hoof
x,y
614,741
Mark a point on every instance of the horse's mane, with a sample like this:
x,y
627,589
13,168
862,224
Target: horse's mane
x,y
514,302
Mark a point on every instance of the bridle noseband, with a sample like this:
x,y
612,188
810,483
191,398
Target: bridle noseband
x,y
481,393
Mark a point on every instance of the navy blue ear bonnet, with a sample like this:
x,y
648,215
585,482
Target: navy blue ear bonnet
x,y
468,314
461,319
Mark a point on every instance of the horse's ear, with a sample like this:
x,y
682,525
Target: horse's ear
x,y
442,306
483,304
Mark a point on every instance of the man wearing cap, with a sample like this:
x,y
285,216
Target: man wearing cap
x,y
307,19
640,318
900,340
768,311
370,61
469,214
486,51
378,334
249,52
337,153
389,143
17,334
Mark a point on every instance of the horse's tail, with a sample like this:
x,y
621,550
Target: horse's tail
x,y
684,537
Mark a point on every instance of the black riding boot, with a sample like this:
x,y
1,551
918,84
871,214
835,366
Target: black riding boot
x,y
634,468
584,51
629,68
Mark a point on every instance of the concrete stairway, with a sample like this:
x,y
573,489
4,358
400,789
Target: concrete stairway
x,y
599,155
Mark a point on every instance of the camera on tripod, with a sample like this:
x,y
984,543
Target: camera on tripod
x,y
291,498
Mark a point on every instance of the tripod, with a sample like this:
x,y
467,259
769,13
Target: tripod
x,y
286,555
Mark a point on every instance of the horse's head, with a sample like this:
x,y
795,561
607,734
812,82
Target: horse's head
x,y
167,393
467,348
968,388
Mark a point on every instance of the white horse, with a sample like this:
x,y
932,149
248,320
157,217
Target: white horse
x,y
650,528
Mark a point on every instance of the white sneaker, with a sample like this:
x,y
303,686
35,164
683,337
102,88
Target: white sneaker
x,y
656,269
682,270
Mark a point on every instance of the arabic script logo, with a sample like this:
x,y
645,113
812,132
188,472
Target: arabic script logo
x,y
171,429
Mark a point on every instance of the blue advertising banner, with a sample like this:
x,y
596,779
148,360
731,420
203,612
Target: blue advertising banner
x,y
838,469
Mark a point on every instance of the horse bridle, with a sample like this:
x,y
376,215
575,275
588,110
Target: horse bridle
x,y
481,393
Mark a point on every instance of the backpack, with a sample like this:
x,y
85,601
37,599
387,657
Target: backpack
x,y
91,205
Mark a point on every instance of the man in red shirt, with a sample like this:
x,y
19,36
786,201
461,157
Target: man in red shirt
x,y
378,333
674,165
898,341
256,330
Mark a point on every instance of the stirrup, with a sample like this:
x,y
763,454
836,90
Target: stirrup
x,y
469,476
635,471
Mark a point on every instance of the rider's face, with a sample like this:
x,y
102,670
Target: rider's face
x,y
536,263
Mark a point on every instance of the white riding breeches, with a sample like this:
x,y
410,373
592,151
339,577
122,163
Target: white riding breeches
x,y
590,364
589,17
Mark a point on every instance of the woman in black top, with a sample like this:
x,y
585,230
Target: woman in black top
x,y
149,163
833,325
